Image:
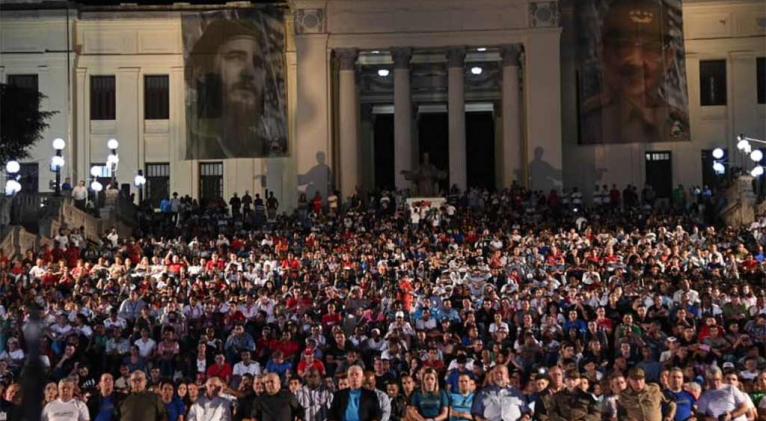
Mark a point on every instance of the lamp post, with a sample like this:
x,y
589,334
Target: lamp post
x,y
113,159
12,185
139,181
96,186
57,162
744,145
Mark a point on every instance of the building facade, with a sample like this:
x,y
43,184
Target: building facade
x,y
484,87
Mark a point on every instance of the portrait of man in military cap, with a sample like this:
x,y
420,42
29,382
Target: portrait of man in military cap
x,y
235,86
634,90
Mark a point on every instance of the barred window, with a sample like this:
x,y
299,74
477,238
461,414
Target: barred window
x,y
102,98
156,97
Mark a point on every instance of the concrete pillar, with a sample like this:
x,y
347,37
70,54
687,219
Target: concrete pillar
x,y
402,115
511,156
349,124
456,114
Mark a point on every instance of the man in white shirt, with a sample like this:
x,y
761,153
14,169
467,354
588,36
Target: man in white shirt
x,y
246,366
722,401
80,195
145,344
211,406
65,408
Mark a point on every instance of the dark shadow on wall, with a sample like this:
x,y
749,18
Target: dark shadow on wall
x,y
316,179
544,176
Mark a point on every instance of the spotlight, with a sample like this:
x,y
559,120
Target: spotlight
x,y
476,70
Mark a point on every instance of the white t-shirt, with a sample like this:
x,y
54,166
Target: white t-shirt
x,y
145,349
74,410
253,369
715,403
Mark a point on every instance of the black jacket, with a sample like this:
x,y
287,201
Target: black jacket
x,y
369,407
94,405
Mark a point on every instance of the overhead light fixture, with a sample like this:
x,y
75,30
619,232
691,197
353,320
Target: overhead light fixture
x,y
481,49
718,153
375,52
757,171
476,70
756,155
383,72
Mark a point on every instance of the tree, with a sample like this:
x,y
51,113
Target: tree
x,y
21,121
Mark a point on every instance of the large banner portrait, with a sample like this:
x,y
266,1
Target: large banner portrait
x,y
235,84
631,71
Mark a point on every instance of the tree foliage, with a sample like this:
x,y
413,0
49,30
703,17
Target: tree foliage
x,y
21,121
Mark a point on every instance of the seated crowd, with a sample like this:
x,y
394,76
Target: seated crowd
x,y
494,306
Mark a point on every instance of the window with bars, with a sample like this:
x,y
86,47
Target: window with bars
x,y
712,82
102,98
210,180
24,82
157,182
156,97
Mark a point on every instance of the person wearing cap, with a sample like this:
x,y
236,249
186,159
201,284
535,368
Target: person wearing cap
x,y
645,401
572,403
636,52
229,69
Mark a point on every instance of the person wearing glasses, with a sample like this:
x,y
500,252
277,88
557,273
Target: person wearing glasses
x,y
722,402
141,404
685,401
355,403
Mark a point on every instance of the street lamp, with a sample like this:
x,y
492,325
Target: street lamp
x,y
139,181
96,186
57,162
113,159
12,185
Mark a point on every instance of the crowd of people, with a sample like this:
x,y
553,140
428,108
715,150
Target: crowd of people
x,y
496,306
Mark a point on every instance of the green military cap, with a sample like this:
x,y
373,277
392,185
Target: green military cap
x,y
644,20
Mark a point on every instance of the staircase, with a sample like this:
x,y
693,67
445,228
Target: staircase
x,y
28,221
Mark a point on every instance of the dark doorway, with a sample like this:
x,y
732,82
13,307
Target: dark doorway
x,y
29,174
480,149
659,172
709,176
157,183
433,131
210,181
384,150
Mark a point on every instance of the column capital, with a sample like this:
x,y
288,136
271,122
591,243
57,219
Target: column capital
x,y
401,56
456,57
511,54
347,58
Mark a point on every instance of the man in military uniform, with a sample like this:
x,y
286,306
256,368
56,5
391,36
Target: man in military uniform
x,y
636,53
572,403
644,402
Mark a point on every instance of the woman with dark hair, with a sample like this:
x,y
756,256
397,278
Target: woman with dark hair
x,y
174,406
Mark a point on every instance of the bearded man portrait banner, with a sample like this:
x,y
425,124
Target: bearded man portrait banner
x,y
235,83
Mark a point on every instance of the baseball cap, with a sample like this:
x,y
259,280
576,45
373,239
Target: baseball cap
x,y
637,373
399,314
728,364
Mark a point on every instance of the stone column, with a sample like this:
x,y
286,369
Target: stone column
x,y
456,113
512,157
402,115
349,125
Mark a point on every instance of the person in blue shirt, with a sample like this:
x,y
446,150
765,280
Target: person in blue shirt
x,y
462,400
684,400
453,377
104,405
429,403
173,404
277,364
355,403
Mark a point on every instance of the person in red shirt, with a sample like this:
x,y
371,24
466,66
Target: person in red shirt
x,y
287,345
221,369
332,317
308,362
